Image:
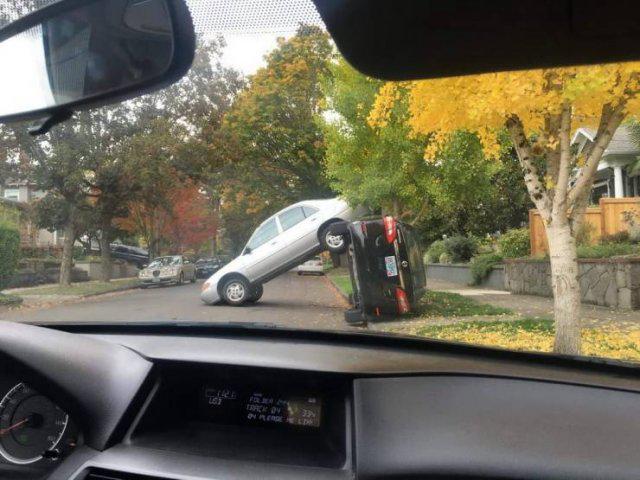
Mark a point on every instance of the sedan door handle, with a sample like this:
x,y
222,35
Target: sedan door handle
x,y
273,243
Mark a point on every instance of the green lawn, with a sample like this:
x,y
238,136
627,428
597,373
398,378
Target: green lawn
x,y
340,278
445,304
82,288
7,300
507,329
343,283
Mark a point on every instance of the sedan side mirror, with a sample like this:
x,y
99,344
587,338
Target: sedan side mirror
x,y
73,55
247,250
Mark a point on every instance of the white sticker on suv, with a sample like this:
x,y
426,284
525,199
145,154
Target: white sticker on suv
x,y
391,266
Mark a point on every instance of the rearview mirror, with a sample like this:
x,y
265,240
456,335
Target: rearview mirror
x,y
72,55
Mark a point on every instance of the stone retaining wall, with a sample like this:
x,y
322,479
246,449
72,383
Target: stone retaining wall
x,y
611,282
461,273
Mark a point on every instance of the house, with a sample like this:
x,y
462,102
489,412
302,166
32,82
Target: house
x,y
617,176
20,191
15,196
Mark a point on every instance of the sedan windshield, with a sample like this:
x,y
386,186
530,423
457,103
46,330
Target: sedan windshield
x,y
164,262
286,188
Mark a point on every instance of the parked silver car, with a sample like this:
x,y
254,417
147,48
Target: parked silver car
x,y
281,242
171,269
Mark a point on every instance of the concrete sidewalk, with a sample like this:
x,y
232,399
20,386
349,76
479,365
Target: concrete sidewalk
x,y
534,306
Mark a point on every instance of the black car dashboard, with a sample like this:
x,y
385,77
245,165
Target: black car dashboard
x,y
260,404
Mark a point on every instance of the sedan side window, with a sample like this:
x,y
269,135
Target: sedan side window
x,y
263,234
308,211
291,217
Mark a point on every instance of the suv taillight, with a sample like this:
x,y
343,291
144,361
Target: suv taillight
x,y
403,301
390,229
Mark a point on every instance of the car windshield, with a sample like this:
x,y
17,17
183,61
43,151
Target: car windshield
x,y
164,262
498,209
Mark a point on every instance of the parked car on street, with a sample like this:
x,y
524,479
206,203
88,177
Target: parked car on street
x,y
171,269
136,255
386,268
313,265
281,242
205,267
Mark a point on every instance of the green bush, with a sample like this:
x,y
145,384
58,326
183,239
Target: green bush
x,y
481,266
78,252
585,233
618,237
460,248
434,251
606,250
515,243
9,253
445,258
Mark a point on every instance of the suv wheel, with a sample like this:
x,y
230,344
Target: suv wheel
x,y
332,242
236,291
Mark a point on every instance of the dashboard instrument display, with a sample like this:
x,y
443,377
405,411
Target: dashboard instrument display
x,y
31,426
228,404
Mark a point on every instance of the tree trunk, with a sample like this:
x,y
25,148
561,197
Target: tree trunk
x,y
105,252
566,288
67,254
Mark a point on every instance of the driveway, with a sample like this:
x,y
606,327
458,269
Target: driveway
x,y
290,300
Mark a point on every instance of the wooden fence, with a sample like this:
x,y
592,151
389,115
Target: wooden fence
x,y
605,219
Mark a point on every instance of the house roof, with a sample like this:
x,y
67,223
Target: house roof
x,y
622,142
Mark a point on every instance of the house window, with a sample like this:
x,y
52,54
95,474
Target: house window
x,y
634,186
11,193
600,190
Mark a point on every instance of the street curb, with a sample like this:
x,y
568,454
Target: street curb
x,y
122,289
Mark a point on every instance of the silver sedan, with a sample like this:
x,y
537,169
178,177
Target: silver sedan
x,y
174,269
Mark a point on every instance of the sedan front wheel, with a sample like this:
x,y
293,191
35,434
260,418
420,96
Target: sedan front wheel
x,y
236,291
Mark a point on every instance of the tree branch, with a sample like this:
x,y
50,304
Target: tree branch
x,y
609,121
564,171
535,188
552,127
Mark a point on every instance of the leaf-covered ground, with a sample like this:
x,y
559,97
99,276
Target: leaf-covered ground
x,y
537,335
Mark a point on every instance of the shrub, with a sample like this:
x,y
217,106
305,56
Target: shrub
x,y
9,253
78,252
618,237
606,250
585,233
434,251
515,243
460,248
481,266
445,258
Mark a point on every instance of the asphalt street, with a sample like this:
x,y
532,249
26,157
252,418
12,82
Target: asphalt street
x,y
290,300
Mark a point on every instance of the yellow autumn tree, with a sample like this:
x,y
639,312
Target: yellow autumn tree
x,y
540,109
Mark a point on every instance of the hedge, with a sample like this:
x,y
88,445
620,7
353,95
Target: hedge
x,y
9,253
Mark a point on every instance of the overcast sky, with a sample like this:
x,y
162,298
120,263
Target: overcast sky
x,y
245,52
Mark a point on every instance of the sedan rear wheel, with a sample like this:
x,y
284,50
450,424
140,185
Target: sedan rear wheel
x,y
236,291
256,293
